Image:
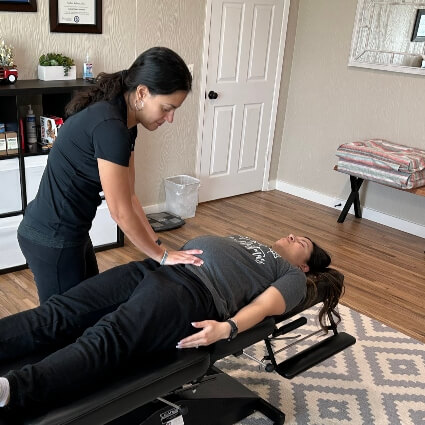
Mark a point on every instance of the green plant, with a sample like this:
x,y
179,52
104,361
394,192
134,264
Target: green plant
x,y
57,59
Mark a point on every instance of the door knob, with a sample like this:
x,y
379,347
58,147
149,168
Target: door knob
x,y
212,95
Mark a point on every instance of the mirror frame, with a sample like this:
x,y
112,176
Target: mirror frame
x,y
378,66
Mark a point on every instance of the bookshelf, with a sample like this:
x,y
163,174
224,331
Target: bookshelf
x,y
21,172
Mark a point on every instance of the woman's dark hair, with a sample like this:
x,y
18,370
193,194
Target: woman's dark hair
x,y
330,281
160,69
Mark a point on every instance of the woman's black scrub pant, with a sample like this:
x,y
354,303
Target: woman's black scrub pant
x,y
58,269
132,309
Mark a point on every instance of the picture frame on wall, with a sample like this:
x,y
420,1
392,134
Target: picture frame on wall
x,y
81,16
18,6
418,34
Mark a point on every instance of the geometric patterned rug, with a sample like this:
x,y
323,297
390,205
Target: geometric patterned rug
x,y
380,380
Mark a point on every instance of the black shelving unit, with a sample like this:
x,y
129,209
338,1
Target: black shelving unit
x,y
53,96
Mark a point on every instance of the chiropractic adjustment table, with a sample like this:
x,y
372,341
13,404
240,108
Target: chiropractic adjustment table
x,y
183,386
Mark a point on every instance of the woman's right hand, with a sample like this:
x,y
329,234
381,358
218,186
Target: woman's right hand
x,y
184,257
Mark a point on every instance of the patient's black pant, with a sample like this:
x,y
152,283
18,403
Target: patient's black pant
x,y
136,308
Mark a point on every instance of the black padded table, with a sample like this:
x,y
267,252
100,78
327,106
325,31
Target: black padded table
x,y
141,381
187,378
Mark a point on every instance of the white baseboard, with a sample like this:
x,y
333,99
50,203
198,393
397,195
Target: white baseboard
x,y
272,185
367,213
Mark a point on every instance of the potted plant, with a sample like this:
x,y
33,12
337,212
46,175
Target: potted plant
x,y
8,71
55,66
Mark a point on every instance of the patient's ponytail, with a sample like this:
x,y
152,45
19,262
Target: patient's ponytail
x,y
333,288
331,283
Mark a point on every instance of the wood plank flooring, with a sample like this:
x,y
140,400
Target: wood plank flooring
x,y
384,268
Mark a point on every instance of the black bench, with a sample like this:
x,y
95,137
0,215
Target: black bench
x,y
353,197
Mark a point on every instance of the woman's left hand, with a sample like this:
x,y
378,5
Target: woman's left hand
x,y
211,332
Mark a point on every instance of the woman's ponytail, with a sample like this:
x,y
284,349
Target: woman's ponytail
x,y
106,87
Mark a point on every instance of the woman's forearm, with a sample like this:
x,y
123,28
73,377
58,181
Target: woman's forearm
x,y
142,216
133,227
268,303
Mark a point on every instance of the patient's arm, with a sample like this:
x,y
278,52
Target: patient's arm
x,y
268,303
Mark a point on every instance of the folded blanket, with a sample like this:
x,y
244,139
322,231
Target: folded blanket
x,y
398,179
383,154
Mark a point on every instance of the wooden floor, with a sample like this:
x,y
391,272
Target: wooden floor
x,y
384,268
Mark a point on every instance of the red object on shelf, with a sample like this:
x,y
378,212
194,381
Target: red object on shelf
x,y
9,73
21,133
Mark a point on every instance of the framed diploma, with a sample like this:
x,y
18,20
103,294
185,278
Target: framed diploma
x,y
76,16
18,6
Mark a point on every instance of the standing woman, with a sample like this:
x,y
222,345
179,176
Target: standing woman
x,y
93,152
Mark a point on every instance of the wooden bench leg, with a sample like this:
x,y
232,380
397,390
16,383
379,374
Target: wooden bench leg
x,y
356,183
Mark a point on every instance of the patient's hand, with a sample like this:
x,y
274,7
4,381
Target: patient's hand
x,y
211,332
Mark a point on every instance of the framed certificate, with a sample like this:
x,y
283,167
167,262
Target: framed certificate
x,y
18,6
76,16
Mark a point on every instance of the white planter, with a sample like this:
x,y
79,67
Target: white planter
x,y
49,73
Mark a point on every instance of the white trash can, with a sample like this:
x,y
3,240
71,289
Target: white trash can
x,y
181,195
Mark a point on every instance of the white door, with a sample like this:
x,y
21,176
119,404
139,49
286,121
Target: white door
x,y
245,44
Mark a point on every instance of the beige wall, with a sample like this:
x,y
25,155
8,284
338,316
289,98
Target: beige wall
x,y
329,104
284,87
322,102
30,35
171,149
129,27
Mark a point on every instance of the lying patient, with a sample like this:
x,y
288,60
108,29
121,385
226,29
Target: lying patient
x,y
142,307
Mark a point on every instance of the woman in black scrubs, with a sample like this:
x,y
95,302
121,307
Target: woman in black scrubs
x,y
94,152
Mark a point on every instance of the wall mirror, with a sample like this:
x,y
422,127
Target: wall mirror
x,y
389,35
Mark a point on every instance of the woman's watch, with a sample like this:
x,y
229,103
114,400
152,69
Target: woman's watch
x,y
233,329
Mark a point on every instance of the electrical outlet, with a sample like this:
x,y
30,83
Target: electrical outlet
x,y
190,66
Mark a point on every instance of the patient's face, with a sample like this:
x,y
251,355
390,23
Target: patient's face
x,y
295,249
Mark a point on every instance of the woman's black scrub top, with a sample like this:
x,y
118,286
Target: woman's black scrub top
x,y
62,212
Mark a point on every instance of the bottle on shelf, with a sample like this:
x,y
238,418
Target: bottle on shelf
x,y
31,129
87,68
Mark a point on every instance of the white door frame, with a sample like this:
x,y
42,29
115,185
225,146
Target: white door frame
x,y
203,88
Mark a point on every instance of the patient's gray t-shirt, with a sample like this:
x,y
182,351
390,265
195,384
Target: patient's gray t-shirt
x,y
237,269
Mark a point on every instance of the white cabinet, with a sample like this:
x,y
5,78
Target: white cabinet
x,y
10,186
21,172
104,229
34,168
10,253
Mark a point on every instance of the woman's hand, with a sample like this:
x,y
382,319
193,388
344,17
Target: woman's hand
x,y
184,257
211,332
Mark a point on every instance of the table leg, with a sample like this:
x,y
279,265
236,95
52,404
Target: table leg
x,y
356,183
